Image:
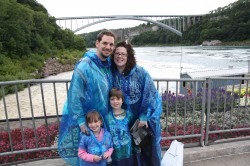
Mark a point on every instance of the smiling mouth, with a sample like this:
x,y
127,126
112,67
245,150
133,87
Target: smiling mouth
x,y
108,52
120,60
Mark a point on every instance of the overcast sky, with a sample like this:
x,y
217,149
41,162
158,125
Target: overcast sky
x,y
71,8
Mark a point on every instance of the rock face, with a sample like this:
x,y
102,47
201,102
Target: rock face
x,y
211,43
52,67
130,33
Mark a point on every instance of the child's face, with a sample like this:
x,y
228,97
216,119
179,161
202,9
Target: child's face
x,y
115,102
95,126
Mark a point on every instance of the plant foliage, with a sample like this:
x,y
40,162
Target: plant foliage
x,y
28,36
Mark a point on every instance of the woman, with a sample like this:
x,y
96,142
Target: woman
x,y
141,95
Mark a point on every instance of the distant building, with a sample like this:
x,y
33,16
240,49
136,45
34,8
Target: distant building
x,y
226,72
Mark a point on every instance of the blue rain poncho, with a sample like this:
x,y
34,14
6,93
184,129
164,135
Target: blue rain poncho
x,y
93,146
143,98
89,88
119,129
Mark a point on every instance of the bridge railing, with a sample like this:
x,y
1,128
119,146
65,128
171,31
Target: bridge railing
x,y
197,112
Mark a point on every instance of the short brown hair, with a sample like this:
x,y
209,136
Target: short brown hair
x,y
117,93
93,116
105,32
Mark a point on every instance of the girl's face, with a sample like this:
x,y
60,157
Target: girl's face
x,y
120,57
95,126
115,102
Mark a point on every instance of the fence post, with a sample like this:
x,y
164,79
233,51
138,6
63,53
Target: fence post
x,y
209,87
203,111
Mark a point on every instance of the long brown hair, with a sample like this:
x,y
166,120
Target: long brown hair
x,y
131,62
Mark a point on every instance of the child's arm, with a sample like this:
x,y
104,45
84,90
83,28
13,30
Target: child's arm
x,y
108,153
88,157
82,153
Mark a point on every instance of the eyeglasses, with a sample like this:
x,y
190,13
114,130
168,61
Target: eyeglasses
x,y
122,54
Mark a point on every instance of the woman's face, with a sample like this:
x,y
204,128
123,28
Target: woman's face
x,y
120,57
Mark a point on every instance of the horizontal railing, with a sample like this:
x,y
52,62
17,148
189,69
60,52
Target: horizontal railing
x,y
197,112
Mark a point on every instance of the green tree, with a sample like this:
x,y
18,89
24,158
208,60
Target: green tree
x,y
28,35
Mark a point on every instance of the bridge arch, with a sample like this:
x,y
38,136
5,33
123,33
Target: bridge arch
x,y
131,18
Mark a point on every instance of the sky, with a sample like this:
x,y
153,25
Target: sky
x,y
73,8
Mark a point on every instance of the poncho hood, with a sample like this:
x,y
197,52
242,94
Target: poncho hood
x,y
103,123
132,71
92,55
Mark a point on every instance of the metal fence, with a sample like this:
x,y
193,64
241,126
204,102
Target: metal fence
x,y
197,112
228,109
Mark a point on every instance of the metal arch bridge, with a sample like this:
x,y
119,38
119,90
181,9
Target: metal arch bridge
x,y
175,23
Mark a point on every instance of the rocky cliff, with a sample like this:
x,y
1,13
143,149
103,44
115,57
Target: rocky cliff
x,y
52,67
129,33
211,43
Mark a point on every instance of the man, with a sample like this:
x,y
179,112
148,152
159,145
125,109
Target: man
x,y
89,88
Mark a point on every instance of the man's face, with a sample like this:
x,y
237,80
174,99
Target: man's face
x,y
105,47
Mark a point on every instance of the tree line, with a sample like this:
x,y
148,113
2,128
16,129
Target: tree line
x,y
229,24
28,36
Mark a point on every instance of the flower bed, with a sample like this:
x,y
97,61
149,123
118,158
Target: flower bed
x,y
226,113
196,130
53,129
220,100
42,135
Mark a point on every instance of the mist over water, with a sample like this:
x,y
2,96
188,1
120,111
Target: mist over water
x,y
160,62
166,62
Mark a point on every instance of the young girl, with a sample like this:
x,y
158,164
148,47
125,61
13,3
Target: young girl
x,y
97,147
118,122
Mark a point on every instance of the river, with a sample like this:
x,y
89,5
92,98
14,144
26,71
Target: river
x,y
161,62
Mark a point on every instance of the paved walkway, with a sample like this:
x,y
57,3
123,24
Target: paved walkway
x,y
49,162
221,154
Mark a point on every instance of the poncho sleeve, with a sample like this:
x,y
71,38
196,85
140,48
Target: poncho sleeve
x,y
77,96
151,102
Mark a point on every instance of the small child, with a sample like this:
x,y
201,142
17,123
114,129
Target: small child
x,y
118,122
97,147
